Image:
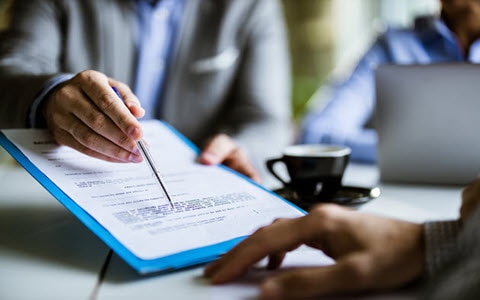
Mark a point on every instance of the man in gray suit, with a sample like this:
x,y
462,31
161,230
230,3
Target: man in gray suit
x,y
216,70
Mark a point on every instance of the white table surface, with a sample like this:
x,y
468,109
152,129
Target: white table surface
x,y
45,253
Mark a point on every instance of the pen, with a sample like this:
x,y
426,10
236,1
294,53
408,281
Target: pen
x,y
148,157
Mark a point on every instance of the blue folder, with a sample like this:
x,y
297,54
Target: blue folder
x,y
171,262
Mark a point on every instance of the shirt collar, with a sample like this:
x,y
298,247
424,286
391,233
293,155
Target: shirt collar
x,y
444,31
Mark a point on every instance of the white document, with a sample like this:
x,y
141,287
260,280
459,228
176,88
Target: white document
x,y
212,204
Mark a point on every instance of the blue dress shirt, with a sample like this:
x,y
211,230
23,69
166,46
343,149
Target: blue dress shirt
x,y
157,27
346,117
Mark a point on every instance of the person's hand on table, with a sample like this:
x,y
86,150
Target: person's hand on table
x,y
470,199
371,253
86,114
222,149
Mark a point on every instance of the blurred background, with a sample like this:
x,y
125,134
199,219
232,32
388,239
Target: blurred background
x,y
326,38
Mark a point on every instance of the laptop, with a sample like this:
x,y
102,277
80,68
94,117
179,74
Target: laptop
x,y
428,123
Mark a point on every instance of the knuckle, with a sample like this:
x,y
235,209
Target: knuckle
x,y
62,95
85,137
105,102
324,217
95,120
125,140
361,272
324,212
88,75
83,76
90,139
62,92
119,153
58,136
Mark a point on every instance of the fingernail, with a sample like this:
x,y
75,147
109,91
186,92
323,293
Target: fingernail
x,y
133,132
135,157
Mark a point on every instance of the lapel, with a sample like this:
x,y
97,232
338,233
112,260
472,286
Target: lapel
x,y
117,45
182,51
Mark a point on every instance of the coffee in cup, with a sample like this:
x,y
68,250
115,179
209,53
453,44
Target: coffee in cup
x,y
314,169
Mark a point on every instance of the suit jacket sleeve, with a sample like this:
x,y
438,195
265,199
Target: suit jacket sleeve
x,y
28,52
231,74
262,112
459,277
47,39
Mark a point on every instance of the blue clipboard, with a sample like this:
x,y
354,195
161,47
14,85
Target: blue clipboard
x,y
175,261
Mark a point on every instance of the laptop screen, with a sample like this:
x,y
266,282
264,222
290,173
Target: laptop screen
x,y
428,123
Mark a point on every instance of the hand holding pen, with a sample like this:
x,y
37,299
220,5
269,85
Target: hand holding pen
x,y
84,113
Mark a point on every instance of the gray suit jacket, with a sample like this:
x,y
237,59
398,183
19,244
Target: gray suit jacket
x,y
230,71
460,276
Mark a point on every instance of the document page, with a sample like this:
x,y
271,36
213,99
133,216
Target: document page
x,y
212,204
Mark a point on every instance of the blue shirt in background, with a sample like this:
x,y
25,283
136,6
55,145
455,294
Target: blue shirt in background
x,y
345,118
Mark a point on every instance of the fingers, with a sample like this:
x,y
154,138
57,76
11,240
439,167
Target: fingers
x,y
83,137
217,149
371,252
98,89
357,272
86,114
222,149
273,240
347,276
129,99
72,142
